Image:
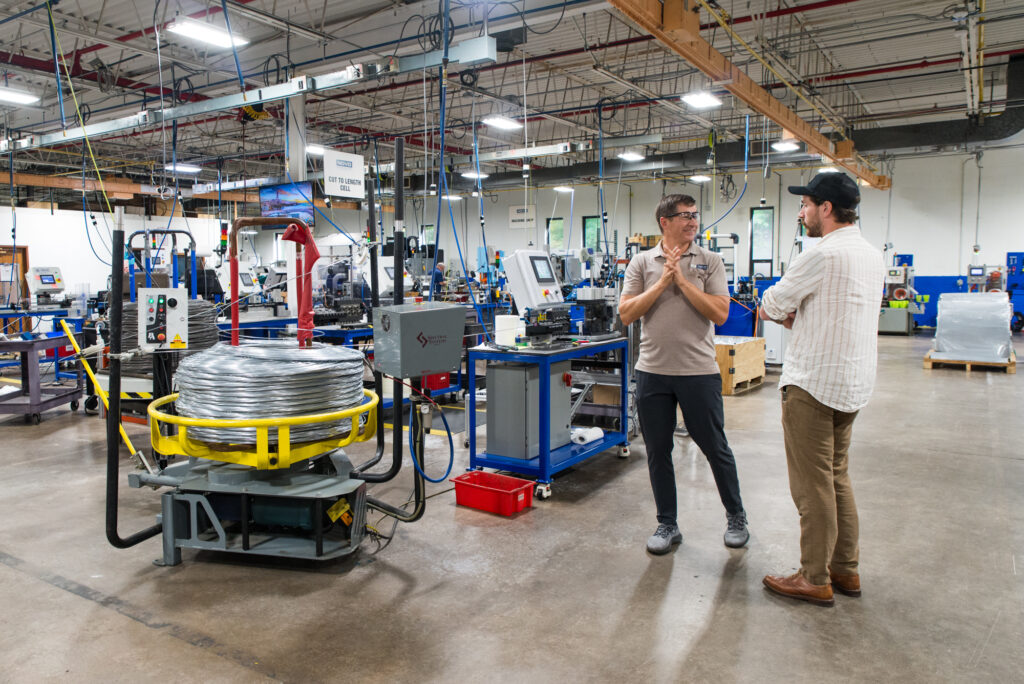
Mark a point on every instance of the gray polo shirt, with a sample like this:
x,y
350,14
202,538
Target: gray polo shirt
x,y
675,338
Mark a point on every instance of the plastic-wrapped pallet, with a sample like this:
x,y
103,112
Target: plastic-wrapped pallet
x,y
973,327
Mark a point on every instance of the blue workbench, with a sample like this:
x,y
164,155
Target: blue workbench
x,y
549,461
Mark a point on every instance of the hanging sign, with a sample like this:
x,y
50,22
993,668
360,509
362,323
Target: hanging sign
x,y
523,216
344,175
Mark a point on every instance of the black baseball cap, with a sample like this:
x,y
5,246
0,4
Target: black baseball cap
x,y
836,187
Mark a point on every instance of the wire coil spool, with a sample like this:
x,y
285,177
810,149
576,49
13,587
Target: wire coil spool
x,y
269,380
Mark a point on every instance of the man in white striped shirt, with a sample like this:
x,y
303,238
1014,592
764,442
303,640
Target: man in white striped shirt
x,y
830,298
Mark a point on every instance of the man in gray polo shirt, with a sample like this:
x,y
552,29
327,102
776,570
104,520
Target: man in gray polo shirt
x,y
678,288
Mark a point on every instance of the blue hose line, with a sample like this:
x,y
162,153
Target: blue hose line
x,y
746,158
85,219
568,238
469,282
440,167
412,450
14,228
234,51
480,193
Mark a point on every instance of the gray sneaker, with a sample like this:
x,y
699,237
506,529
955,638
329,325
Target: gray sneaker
x,y
663,539
736,533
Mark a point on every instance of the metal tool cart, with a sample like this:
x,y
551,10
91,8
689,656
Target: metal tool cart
x,y
34,398
540,373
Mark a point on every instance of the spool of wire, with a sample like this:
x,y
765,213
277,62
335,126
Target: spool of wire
x,y
269,379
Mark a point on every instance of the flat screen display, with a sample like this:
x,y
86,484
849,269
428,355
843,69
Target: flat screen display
x,y
542,269
246,279
895,272
47,279
288,201
976,271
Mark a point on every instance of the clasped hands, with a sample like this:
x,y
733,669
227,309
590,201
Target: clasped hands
x,y
672,273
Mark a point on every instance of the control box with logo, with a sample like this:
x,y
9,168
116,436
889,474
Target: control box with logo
x,y
163,318
411,340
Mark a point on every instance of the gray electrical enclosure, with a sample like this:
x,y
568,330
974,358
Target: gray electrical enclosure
x,y
411,340
513,409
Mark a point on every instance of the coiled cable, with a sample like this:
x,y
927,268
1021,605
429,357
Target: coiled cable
x,y
269,379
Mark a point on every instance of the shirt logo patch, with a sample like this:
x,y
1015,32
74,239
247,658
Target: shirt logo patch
x,y
701,267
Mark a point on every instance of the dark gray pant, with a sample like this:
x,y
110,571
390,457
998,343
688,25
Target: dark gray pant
x,y
700,398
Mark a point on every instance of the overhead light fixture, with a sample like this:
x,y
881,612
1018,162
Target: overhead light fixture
x,y
248,231
183,168
526,170
562,188
474,175
631,156
502,122
205,33
701,99
475,193
828,169
785,146
17,96
700,179
316,150
451,198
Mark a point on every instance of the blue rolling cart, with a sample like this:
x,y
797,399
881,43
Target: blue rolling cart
x,y
549,461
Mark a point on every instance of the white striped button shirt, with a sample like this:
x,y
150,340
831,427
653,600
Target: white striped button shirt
x,y
835,288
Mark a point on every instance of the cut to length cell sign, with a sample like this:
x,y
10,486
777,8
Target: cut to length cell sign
x,y
344,175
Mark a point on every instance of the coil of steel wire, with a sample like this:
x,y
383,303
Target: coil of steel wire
x,y
202,333
269,379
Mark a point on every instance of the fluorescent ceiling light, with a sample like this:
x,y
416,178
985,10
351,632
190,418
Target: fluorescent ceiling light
x,y
700,179
451,198
17,96
502,122
183,168
631,156
562,188
248,231
205,33
701,99
785,146
474,175
828,169
315,150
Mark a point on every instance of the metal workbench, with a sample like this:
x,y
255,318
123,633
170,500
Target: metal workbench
x,y
33,398
550,461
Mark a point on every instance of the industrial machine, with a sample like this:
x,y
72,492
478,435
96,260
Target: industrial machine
x,y
46,287
513,422
899,302
163,319
984,278
1015,288
532,280
600,310
275,286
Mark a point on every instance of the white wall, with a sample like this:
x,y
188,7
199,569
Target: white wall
x,y
59,239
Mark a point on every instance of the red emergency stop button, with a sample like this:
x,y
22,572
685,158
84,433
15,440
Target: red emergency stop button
x,y
163,337
567,379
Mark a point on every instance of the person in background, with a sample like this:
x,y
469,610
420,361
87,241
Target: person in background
x,y
830,298
679,290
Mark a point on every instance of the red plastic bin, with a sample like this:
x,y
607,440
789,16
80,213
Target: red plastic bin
x,y
492,492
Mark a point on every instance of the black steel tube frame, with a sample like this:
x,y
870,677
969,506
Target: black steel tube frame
x,y
114,407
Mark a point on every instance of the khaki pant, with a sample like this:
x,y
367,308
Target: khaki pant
x,y
817,445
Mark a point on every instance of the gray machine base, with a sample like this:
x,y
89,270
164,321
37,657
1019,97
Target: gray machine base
x,y
211,508
895,321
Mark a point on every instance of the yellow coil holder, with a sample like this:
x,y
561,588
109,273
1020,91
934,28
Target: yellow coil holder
x,y
261,456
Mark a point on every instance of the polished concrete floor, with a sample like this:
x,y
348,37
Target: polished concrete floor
x,y
563,591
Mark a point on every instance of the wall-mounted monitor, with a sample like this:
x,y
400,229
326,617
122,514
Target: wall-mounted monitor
x,y
288,200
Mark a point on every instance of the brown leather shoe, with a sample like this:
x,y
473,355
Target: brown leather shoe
x,y
846,584
797,587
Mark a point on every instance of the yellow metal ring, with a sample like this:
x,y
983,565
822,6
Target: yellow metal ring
x,y
261,455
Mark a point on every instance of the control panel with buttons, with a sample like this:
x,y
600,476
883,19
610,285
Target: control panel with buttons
x,y
163,318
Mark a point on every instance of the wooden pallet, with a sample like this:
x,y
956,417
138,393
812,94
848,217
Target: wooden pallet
x,y
1009,367
743,386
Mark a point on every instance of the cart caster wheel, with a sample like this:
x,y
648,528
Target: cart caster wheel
x,y
543,491
624,452
74,405
33,418
465,444
92,404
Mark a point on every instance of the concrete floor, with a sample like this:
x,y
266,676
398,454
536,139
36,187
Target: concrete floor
x,y
564,591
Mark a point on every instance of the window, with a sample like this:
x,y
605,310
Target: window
x,y
592,232
427,233
762,239
556,234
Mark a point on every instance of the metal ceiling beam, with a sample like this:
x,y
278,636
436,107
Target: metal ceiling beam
x,y
269,19
676,24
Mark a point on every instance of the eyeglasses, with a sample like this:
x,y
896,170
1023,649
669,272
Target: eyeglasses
x,y
686,215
